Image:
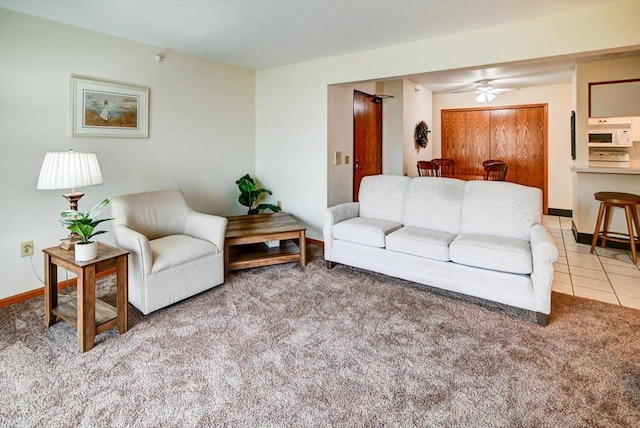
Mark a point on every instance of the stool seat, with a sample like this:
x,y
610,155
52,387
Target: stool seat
x,y
618,198
628,201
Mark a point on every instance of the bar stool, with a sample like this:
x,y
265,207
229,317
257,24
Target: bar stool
x,y
628,201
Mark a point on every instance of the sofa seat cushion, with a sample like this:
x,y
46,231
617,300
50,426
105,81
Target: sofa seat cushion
x,y
174,250
365,231
418,241
492,252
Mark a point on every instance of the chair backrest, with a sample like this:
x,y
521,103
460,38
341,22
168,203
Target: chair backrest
x,y
495,171
428,169
488,161
447,166
154,214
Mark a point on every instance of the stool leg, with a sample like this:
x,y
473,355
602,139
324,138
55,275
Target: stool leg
x,y
605,227
594,241
634,211
630,220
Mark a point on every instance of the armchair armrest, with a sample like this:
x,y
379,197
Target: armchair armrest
x,y
544,252
334,215
208,227
137,243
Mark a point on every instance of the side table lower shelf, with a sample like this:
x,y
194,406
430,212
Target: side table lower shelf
x,y
106,316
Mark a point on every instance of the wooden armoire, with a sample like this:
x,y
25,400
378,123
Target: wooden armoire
x,y
515,134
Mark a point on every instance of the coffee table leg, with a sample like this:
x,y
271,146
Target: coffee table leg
x,y
303,249
226,258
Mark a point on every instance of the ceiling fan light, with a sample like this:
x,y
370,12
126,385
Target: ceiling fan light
x,y
490,97
481,98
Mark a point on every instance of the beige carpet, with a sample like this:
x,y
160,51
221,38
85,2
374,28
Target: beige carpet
x,y
286,346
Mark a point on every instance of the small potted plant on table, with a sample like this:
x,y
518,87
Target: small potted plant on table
x,y
83,225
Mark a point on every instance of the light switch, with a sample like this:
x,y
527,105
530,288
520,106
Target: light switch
x,y
346,159
337,158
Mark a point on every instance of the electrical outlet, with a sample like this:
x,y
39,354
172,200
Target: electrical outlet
x,y
26,248
279,204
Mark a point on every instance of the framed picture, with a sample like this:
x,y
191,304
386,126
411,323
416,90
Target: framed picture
x,y
101,108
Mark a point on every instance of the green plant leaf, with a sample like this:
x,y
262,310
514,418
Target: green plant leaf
x,y
273,208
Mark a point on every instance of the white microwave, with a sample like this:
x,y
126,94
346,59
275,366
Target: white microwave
x,y
610,138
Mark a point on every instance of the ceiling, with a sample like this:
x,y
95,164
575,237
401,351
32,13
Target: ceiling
x,y
259,34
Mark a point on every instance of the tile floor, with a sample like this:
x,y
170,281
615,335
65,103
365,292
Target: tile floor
x,y
609,275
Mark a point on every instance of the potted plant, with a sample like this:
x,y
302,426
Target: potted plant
x,y
249,195
83,225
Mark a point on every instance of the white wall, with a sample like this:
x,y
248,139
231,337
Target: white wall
x,y
585,207
291,101
392,122
201,131
340,139
417,106
559,100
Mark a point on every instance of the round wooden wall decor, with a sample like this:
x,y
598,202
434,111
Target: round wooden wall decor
x,y
422,134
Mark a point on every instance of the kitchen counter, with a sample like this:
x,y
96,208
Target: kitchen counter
x,y
633,169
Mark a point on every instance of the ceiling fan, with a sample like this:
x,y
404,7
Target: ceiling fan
x,y
485,90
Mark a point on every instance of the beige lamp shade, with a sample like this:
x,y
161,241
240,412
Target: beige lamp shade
x,y
69,170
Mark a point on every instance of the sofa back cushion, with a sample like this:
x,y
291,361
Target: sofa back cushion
x,y
434,203
382,197
500,209
154,214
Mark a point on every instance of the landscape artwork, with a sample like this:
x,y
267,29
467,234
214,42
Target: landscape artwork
x,y
102,108
110,109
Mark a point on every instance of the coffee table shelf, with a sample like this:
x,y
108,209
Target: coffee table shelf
x,y
245,239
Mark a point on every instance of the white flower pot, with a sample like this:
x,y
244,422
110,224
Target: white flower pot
x,y
86,252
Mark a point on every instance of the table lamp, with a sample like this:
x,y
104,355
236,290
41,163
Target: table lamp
x,y
69,170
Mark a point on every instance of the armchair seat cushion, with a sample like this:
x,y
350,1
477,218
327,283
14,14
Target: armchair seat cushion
x,y
492,252
174,250
365,231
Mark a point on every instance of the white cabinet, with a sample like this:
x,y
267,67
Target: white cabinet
x,y
610,121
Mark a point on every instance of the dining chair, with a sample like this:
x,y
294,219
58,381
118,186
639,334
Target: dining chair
x,y
488,161
447,166
428,169
496,171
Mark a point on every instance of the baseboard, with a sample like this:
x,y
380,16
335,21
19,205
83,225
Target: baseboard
x,y
40,291
560,212
586,238
315,242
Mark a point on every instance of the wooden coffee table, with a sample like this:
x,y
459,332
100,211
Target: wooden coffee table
x,y
246,235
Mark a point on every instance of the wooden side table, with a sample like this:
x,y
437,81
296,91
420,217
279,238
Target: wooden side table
x,y
90,316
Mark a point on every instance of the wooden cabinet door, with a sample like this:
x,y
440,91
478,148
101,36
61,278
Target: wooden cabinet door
x,y
531,130
516,135
465,139
503,139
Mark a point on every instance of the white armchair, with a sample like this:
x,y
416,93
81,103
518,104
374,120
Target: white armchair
x,y
176,252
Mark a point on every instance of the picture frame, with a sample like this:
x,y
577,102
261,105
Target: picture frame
x,y
104,108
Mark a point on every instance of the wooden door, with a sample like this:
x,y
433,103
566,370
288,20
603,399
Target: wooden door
x,y
367,138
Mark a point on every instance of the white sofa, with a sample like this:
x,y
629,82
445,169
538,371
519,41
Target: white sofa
x,y
176,252
479,238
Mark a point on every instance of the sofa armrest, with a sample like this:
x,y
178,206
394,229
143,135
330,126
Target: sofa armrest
x,y
208,227
334,215
545,252
135,242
